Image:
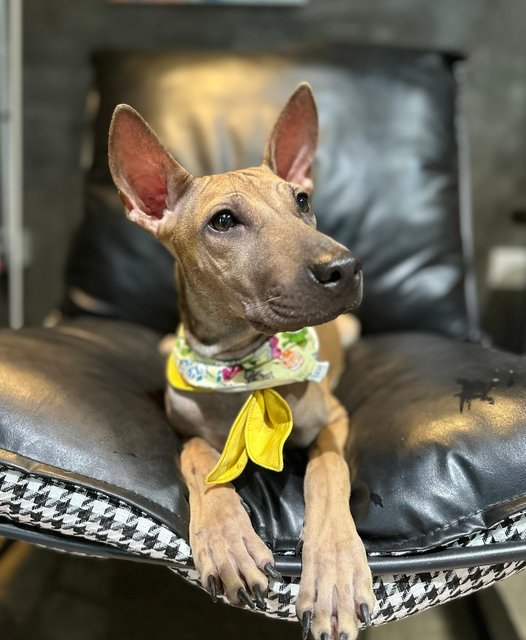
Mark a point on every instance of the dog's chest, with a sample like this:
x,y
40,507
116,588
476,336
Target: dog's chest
x,y
211,415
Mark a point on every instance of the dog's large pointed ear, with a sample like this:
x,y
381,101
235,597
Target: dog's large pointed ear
x,y
148,178
292,145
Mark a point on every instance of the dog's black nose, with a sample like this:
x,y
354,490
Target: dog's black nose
x,y
336,272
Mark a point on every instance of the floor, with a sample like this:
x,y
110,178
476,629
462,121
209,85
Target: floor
x,y
45,595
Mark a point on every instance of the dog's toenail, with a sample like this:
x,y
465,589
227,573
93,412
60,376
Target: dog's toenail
x,y
305,623
244,598
271,571
212,588
260,600
365,614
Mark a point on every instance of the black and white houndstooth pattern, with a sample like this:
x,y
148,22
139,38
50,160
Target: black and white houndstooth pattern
x,y
72,510
399,596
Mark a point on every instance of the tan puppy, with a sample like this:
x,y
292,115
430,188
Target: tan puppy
x,y
249,263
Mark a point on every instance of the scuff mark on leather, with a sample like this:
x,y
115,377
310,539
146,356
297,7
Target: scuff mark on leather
x,y
474,390
377,500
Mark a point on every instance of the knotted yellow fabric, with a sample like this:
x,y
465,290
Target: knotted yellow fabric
x,y
258,433
265,420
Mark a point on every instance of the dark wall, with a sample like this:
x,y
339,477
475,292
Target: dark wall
x,y
60,34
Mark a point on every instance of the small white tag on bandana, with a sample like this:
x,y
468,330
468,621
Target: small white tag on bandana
x,y
319,372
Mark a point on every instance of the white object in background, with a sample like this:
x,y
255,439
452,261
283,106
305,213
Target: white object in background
x,y
507,269
11,153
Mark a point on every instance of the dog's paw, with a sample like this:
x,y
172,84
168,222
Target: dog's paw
x,y
230,557
166,344
336,592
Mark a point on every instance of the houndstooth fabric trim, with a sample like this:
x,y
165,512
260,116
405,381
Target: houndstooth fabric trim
x,y
72,510
397,596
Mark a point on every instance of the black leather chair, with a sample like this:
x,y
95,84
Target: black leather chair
x,y
88,461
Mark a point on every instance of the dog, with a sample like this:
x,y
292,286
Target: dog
x,y
250,268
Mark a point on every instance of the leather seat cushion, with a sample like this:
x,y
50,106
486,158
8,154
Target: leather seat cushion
x,y
438,432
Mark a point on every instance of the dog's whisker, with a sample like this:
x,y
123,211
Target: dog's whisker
x,y
257,305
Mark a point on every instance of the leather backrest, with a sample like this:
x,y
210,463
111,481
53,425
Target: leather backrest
x,y
386,173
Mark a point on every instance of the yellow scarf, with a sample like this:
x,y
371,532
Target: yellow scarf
x,y
264,422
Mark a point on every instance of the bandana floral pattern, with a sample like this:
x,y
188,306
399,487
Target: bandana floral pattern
x,y
290,356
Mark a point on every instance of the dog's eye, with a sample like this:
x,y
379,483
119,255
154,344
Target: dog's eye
x,y
223,221
303,202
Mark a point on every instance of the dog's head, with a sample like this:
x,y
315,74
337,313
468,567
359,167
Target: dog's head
x,y
246,239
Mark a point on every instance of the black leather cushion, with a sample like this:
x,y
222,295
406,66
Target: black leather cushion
x,y
84,402
438,432
438,438
386,173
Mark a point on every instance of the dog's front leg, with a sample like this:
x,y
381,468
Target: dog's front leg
x,y
227,552
336,580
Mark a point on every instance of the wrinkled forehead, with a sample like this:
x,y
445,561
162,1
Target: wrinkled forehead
x,y
245,187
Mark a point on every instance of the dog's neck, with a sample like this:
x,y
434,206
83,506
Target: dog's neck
x,y
211,332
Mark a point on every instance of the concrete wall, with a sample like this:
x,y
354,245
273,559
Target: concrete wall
x,y
60,34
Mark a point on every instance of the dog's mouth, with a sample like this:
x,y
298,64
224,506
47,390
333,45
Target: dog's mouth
x,y
278,325
282,313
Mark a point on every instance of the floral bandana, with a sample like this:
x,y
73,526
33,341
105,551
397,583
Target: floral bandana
x,y
265,420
